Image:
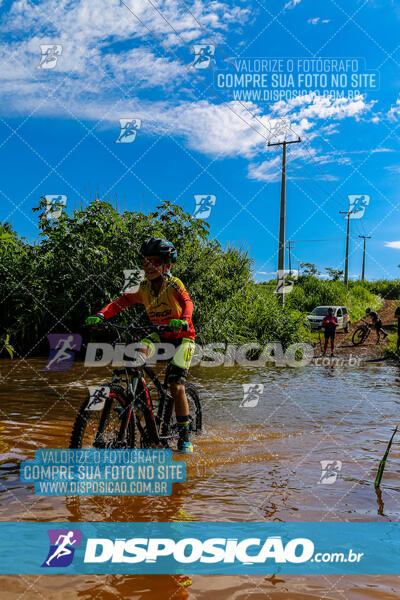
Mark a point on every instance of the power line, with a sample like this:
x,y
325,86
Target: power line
x,y
196,76
208,34
321,240
208,87
212,91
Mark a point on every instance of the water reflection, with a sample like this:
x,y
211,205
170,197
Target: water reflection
x,y
251,464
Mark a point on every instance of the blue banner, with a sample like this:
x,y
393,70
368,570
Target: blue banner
x,y
205,548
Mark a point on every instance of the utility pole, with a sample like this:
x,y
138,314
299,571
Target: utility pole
x,y
346,264
290,245
281,249
365,237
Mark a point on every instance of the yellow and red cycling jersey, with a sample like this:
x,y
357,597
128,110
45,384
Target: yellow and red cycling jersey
x,y
171,302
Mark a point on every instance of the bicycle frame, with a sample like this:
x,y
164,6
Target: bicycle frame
x,y
133,378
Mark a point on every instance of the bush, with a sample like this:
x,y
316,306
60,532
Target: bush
x,y
390,290
309,292
77,268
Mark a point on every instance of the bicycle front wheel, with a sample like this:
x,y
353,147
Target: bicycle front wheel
x,y
145,417
359,336
195,412
104,426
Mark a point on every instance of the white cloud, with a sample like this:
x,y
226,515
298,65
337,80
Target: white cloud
x,y
306,119
395,245
316,20
394,112
313,106
97,34
109,64
393,169
291,4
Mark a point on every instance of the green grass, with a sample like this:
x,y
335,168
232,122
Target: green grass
x,y
309,292
391,349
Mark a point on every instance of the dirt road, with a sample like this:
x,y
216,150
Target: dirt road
x,y
369,350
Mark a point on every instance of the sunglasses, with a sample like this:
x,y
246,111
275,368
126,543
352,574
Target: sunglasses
x,y
156,262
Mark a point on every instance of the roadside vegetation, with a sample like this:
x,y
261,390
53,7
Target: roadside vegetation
x,y
77,267
309,291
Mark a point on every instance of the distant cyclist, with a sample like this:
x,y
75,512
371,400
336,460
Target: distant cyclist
x,y
167,303
377,323
330,323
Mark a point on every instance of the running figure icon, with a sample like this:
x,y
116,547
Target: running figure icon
x,y
63,543
203,54
62,351
62,549
62,354
204,205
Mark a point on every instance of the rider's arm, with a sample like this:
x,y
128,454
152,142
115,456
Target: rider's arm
x,y
185,303
117,305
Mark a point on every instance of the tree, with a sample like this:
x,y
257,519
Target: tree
x,y
334,274
78,265
309,269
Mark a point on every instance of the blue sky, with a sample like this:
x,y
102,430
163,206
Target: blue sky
x,y
59,126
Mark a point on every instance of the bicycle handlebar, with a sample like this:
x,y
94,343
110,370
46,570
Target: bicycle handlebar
x,y
138,330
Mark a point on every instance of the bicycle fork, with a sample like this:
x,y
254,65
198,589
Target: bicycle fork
x,y
127,412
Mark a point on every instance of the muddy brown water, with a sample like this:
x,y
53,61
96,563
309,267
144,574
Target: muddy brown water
x,y
250,464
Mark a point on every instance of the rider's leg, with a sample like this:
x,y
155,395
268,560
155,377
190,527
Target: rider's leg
x,y
181,409
178,371
332,343
378,333
326,343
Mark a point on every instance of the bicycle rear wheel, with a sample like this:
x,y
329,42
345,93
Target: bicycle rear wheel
x,y
100,426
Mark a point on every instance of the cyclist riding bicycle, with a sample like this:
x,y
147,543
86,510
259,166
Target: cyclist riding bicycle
x,y
377,323
167,303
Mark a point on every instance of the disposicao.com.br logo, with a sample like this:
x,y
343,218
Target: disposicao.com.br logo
x,y
192,550
203,547
250,551
62,547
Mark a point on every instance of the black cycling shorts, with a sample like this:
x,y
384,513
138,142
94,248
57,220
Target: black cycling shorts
x,y
330,334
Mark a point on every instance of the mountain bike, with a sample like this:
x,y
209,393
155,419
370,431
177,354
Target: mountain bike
x,y
361,333
129,410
